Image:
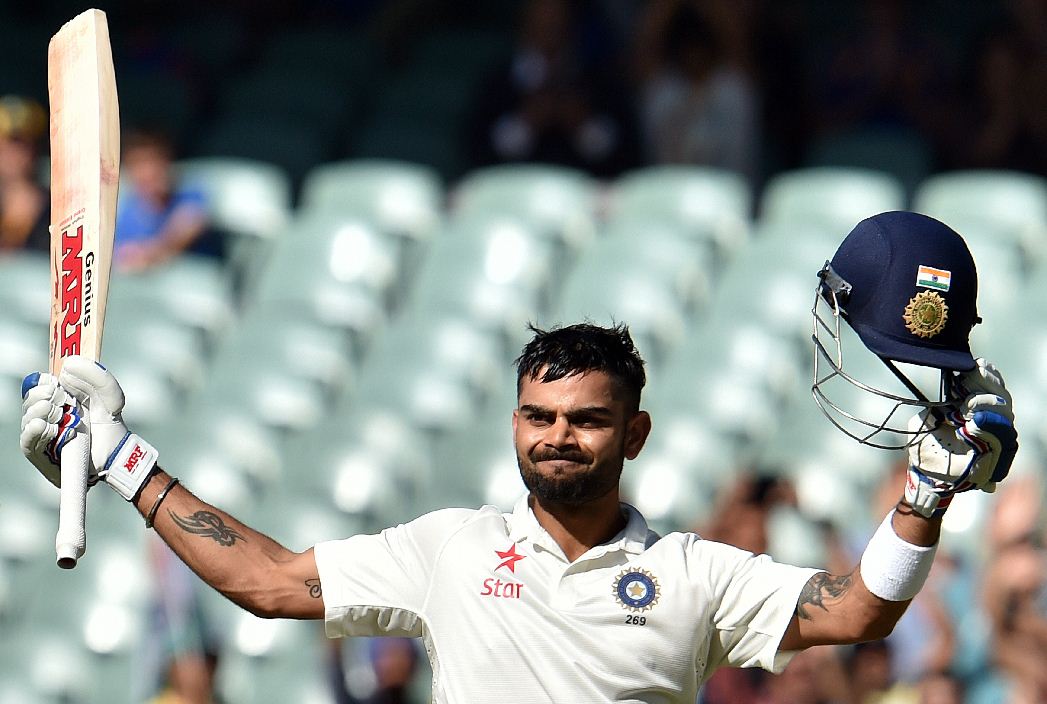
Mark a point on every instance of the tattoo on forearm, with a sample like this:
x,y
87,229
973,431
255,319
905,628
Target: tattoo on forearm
x,y
209,525
314,588
819,588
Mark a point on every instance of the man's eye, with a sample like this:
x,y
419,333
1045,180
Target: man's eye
x,y
541,421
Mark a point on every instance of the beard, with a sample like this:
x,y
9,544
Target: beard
x,y
570,487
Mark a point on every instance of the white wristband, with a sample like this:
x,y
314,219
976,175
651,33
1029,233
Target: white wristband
x,y
130,465
893,569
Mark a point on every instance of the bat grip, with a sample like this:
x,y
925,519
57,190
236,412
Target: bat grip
x,y
71,540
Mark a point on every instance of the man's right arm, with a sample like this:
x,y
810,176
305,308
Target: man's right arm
x,y
251,569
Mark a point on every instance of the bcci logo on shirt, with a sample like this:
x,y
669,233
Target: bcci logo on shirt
x,y
636,590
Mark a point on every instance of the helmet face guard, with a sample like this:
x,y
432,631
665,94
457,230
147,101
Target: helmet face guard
x,y
878,284
882,423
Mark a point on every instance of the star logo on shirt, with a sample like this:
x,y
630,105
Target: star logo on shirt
x,y
636,589
509,558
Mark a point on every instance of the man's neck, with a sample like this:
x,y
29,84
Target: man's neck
x,y
576,529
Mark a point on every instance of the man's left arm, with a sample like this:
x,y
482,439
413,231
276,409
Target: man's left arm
x,y
970,448
842,609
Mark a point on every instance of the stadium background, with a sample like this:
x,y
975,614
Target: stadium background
x,y
347,365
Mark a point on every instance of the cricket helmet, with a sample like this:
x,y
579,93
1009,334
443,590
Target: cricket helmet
x,y
907,285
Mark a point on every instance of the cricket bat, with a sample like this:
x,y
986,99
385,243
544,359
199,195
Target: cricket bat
x,y
85,174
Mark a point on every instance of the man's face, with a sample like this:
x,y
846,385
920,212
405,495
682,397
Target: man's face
x,y
573,435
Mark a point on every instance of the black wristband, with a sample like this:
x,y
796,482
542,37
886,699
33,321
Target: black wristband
x,y
151,516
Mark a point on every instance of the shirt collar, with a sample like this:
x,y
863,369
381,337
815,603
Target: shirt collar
x,y
634,538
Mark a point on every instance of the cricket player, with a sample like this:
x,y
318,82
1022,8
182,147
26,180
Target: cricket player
x,y
571,597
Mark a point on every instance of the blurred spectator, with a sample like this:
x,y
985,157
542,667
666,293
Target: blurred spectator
x,y
24,203
871,676
158,218
815,676
698,102
181,650
393,664
941,688
1007,127
742,510
549,106
1015,593
885,73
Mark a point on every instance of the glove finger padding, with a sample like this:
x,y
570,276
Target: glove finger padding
x,y
50,419
943,454
90,383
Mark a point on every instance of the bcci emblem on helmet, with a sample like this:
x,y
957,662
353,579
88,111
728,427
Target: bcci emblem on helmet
x,y
925,314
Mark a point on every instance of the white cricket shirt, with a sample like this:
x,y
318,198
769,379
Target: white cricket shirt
x,y
506,618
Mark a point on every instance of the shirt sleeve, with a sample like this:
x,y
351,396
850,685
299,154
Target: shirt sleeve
x,y
376,585
756,602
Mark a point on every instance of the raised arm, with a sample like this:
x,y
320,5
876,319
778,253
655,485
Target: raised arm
x,y
248,567
971,448
841,609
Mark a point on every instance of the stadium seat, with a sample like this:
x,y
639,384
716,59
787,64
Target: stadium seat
x,y
492,269
307,97
709,203
401,198
905,155
662,249
1014,202
24,288
398,138
314,353
560,202
433,371
835,198
23,349
155,99
287,143
339,266
330,49
245,197
196,291
470,52
376,469
772,282
142,335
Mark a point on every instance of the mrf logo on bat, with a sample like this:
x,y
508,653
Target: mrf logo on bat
x,y
73,287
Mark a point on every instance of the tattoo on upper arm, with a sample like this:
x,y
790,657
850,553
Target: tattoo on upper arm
x,y
209,525
820,588
314,588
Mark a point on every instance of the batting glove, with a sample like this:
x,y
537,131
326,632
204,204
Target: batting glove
x,y
971,448
50,419
122,459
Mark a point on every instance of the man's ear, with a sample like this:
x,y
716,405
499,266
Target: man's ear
x,y
637,429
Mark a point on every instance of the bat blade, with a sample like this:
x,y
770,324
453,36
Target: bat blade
x,y
85,174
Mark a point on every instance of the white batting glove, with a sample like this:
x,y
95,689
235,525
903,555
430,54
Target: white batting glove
x,y
973,447
50,419
122,459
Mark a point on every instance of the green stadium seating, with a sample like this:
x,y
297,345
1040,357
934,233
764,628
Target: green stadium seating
x,y
137,336
24,287
246,197
158,101
832,197
470,52
396,137
23,349
340,268
196,291
402,198
709,203
305,96
904,155
1013,204
492,269
287,144
348,55
561,203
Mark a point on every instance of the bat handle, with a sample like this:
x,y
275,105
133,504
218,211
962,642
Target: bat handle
x,y
71,540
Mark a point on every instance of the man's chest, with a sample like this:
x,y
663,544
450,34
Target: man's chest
x,y
624,620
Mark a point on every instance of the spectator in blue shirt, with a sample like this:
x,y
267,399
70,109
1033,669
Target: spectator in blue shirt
x,y
158,219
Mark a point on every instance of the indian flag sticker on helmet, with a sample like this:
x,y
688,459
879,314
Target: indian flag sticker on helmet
x,y
929,277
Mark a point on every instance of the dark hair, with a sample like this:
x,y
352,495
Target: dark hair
x,y
580,348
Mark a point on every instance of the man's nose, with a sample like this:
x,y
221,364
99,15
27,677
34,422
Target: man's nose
x,y
560,433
